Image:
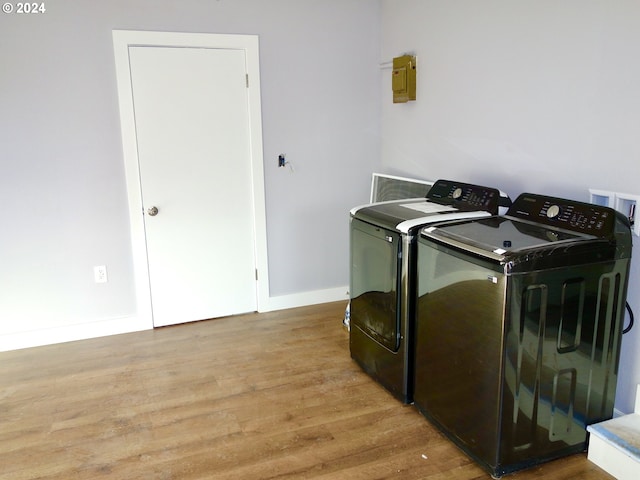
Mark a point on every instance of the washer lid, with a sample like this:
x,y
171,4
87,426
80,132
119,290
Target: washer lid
x,y
517,246
497,236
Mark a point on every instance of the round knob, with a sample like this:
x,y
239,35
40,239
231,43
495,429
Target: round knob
x,y
457,193
153,211
553,211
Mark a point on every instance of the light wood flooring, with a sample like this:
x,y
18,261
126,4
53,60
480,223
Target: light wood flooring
x,y
257,396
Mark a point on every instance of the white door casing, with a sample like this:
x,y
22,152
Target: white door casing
x,y
139,49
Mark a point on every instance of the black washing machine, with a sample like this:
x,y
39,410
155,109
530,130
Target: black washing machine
x,y
518,329
382,249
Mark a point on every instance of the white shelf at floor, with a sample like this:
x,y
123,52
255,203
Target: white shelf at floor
x,y
614,445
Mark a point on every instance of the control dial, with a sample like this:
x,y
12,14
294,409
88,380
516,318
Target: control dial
x,y
457,193
553,211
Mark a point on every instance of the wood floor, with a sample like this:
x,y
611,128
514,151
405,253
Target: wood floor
x,y
258,396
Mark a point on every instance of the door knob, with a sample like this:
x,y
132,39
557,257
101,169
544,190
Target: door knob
x,y
153,211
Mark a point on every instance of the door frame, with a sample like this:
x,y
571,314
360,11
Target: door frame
x,y
122,40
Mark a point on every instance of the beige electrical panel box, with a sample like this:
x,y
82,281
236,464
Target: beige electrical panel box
x,y
403,79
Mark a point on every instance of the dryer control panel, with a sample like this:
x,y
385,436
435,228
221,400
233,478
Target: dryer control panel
x,y
465,196
570,215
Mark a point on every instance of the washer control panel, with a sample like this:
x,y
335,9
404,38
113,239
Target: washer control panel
x,y
567,214
465,196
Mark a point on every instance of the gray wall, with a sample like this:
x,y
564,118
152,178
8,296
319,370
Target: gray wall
x,y
539,96
63,204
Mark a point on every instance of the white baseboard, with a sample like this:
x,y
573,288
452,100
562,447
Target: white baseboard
x,y
306,298
115,326
70,333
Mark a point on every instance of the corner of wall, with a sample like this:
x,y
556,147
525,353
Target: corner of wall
x,y
306,298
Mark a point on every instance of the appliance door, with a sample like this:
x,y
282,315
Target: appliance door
x,y
375,262
459,347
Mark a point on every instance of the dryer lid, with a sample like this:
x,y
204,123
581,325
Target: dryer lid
x,y
444,199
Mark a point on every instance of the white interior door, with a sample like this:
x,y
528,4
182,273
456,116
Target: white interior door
x,y
193,146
